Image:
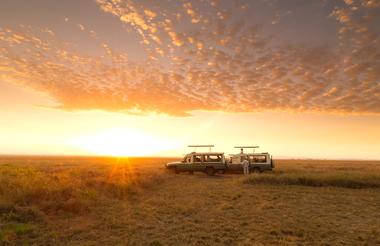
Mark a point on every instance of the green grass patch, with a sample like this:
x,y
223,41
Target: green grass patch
x,y
10,231
343,180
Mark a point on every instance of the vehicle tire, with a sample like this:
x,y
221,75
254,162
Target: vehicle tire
x,y
191,172
257,170
210,171
177,171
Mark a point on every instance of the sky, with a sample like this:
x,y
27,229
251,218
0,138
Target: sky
x,y
299,78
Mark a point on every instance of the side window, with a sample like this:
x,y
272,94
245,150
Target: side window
x,y
197,158
259,158
213,158
186,159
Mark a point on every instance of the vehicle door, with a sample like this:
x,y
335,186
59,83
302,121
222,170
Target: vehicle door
x,y
236,164
214,160
196,163
184,165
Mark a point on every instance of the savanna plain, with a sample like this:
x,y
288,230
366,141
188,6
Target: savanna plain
x,y
135,201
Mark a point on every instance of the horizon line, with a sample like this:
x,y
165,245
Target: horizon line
x,y
172,157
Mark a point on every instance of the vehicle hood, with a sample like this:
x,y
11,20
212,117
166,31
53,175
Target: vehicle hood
x,y
173,164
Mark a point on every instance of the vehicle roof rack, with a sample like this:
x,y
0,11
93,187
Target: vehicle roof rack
x,y
201,146
246,147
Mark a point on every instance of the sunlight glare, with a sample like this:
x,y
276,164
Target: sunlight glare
x,y
123,142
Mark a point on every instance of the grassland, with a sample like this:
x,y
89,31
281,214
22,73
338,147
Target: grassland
x,y
106,201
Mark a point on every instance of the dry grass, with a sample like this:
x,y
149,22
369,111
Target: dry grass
x,y
97,201
70,189
343,180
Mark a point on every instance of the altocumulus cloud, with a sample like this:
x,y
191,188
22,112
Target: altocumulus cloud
x,y
201,55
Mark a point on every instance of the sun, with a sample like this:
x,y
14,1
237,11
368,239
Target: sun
x,y
122,142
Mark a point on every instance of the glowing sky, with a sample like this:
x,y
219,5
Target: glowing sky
x,y
124,77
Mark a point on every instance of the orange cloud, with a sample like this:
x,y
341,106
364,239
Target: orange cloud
x,y
226,64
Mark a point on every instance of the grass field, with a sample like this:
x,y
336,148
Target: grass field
x,y
107,201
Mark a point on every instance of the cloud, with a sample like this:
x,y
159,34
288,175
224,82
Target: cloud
x,y
191,12
81,27
213,60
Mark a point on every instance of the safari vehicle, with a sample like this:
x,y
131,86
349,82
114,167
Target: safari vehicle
x,y
208,162
258,162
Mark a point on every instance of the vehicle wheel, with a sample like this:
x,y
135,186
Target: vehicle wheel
x,y
191,172
177,171
256,170
210,171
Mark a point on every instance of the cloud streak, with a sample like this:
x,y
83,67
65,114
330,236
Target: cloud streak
x,y
201,55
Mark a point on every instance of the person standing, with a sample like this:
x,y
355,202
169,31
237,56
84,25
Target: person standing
x,y
245,166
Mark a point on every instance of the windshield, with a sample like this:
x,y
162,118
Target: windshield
x,y
186,159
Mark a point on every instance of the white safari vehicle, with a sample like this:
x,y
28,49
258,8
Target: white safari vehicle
x,y
258,162
207,162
